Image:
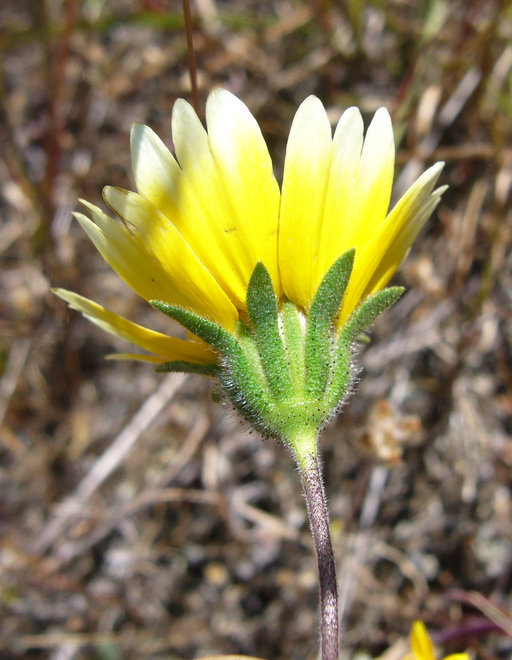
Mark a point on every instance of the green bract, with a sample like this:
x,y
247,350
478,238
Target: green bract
x,y
286,372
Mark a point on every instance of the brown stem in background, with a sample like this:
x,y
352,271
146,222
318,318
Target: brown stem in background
x,y
319,522
56,54
192,69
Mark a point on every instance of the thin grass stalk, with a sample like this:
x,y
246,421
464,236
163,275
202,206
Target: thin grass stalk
x,y
192,68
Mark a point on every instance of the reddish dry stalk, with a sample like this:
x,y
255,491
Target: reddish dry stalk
x,y
192,69
319,521
57,59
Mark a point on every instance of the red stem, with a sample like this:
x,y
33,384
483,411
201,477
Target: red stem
x,y
192,69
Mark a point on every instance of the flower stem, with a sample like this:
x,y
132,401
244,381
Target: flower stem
x,y
319,521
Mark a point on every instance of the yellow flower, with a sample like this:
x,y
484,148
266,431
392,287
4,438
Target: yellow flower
x,y
201,220
422,647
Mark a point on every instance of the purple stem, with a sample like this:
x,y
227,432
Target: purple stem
x,y
319,521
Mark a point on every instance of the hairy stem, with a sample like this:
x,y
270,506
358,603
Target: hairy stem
x,y
319,521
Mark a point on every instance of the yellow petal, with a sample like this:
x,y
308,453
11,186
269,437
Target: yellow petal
x,y
340,220
138,357
245,169
170,348
397,252
380,256
306,174
224,200
125,255
359,188
189,283
421,643
178,279
170,189
156,172
207,217
376,173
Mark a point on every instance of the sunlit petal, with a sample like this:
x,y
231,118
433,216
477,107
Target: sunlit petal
x,y
421,643
163,346
379,257
339,223
192,285
305,178
245,169
137,357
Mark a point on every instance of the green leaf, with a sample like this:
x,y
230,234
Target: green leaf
x,y
188,368
323,313
242,384
294,342
368,311
332,288
264,313
340,384
208,331
249,346
236,374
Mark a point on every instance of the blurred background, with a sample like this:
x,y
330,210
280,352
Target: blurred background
x,y
141,520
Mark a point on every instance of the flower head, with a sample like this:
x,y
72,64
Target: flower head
x,y
210,240
422,647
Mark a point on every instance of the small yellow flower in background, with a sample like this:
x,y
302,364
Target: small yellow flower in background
x,y
202,220
422,647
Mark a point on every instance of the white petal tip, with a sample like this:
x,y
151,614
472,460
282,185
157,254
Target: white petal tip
x,y
430,176
382,114
437,167
382,125
68,296
311,101
221,100
311,114
136,126
136,132
180,106
80,217
219,92
352,112
140,135
90,207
